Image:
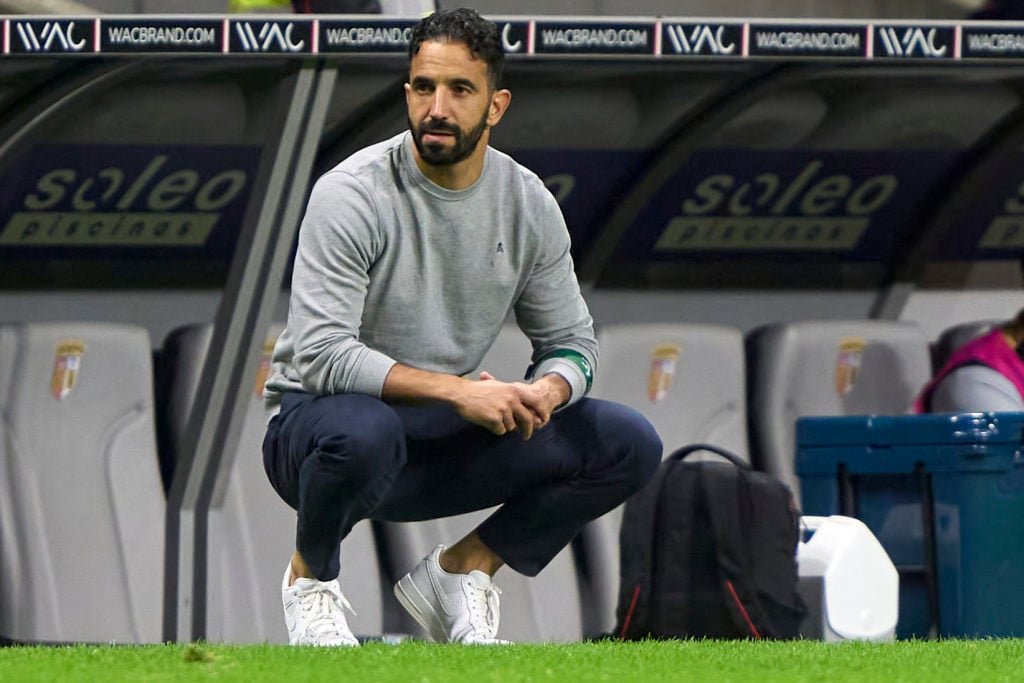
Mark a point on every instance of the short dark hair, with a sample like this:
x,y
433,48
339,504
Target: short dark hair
x,y
463,25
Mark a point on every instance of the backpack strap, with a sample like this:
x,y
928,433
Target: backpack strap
x,y
731,528
681,453
637,540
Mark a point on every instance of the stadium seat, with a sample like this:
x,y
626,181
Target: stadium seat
x,y
545,608
837,367
689,381
82,510
956,336
252,534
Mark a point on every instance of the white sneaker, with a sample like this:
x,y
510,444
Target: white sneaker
x,y
314,612
452,608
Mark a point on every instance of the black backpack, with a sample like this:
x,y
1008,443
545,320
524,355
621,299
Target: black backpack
x,y
708,550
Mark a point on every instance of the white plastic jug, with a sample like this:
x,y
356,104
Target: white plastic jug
x,y
860,584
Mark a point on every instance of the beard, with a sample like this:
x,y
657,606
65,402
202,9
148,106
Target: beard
x,y
439,155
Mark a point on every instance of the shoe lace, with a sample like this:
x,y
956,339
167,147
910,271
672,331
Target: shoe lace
x,y
483,608
323,604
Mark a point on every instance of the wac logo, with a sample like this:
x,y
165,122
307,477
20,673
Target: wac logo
x,y
50,36
700,39
268,36
911,42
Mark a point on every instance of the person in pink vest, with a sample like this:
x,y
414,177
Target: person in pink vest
x,y
985,374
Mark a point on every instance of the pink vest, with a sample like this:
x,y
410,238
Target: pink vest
x,y
990,349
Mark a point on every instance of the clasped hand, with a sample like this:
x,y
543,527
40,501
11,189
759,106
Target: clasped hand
x,y
503,407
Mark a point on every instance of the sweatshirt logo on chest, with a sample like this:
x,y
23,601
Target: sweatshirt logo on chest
x,y
499,253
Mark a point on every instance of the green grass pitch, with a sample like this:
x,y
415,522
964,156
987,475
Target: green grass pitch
x,y
417,662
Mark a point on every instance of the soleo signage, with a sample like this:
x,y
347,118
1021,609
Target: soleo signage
x,y
847,204
99,197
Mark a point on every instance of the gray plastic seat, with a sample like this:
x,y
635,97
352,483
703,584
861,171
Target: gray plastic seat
x,y
689,380
699,369
952,338
836,367
82,509
252,534
545,608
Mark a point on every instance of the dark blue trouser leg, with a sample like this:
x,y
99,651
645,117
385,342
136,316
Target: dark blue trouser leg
x,y
338,459
331,458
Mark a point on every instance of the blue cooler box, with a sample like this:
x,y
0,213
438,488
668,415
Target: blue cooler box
x,y
944,494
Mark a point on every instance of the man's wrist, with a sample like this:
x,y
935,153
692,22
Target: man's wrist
x,y
558,388
568,371
452,388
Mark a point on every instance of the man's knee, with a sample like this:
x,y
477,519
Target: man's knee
x,y
648,450
365,439
632,439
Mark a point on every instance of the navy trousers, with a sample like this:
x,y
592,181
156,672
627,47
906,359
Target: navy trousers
x,y
342,458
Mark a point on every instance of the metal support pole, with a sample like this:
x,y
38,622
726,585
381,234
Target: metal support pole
x,y
257,268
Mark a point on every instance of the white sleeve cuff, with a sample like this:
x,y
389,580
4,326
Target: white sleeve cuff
x,y
569,372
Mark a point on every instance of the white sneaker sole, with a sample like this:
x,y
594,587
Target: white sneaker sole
x,y
414,602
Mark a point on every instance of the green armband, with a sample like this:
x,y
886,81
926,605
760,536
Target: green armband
x,y
574,357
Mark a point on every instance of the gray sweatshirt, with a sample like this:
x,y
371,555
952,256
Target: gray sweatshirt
x,y
394,268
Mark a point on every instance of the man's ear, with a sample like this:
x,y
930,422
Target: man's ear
x,y
500,100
